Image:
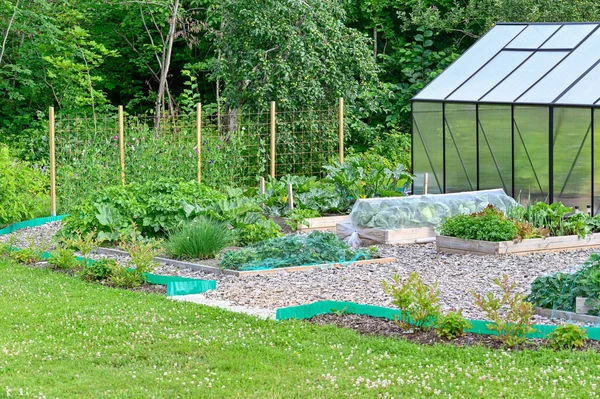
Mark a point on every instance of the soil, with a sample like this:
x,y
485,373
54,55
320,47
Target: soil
x,y
376,326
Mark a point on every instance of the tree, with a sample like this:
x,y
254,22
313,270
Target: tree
x,y
298,53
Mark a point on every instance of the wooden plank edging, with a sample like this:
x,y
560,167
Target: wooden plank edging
x,y
564,315
564,243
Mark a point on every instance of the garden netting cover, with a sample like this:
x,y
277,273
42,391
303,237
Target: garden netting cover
x,y
424,210
575,290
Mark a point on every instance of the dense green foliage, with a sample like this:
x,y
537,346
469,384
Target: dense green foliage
x,y
293,250
108,336
24,192
86,57
491,224
568,336
559,290
452,325
200,239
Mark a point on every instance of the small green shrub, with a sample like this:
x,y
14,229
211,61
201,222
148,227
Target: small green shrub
x,y
24,191
63,259
488,225
293,250
26,256
452,325
200,239
142,261
510,314
84,243
122,277
98,270
568,336
418,302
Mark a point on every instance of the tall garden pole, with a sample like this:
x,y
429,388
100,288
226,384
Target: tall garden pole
x,y
199,139
52,163
122,144
341,129
273,139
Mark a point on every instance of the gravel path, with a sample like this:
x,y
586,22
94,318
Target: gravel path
x,y
457,275
40,236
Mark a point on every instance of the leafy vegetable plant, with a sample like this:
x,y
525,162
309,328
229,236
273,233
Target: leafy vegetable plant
x,y
293,250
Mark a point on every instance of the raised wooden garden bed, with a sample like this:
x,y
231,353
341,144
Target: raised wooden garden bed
x,y
563,315
372,236
325,223
564,243
237,273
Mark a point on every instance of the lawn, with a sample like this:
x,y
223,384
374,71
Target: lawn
x,y
62,337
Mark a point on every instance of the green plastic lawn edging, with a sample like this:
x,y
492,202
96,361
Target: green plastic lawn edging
x,y
175,285
333,307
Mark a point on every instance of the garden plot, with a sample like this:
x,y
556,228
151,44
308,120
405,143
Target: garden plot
x,y
457,275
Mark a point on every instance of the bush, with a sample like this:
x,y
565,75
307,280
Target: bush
x,y
511,316
63,259
417,301
293,250
488,225
23,190
141,255
567,336
201,239
452,325
98,270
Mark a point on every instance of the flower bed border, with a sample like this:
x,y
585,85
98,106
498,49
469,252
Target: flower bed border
x,y
175,285
372,236
323,223
568,316
330,307
564,243
237,273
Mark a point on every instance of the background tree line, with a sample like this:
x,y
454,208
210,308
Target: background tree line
x,y
164,56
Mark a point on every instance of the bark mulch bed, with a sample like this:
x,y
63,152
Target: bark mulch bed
x,y
375,326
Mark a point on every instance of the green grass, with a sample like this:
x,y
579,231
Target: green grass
x,y
62,337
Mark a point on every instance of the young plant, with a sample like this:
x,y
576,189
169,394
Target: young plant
x,y
418,302
568,336
299,216
203,238
509,313
63,259
122,277
452,325
98,270
142,255
85,244
488,225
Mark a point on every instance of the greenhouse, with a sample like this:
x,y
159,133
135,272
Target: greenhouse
x,y
517,111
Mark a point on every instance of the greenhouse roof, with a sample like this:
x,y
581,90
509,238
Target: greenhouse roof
x,y
525,63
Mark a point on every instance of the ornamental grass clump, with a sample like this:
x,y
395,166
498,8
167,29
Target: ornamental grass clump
x,y
202,238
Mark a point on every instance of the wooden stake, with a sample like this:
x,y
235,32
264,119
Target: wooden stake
x,y
52,163
290,197
122,144
199,139
261,185
341,129
426,183
273,139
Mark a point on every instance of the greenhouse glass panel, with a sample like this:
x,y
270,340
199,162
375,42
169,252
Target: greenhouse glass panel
x,y
428,156
495,152
531,153
533,37
565,73
586,91
525,76
490,75
461,149
569,36
572,156
470,62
